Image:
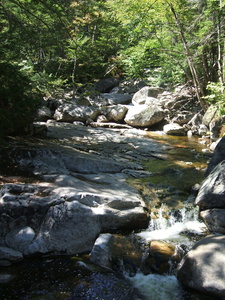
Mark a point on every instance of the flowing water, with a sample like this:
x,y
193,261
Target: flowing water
x,y
169,193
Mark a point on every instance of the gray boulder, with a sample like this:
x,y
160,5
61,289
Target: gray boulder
x,y
115,113
116,252
144,115
43,114
145,93
203,268
174,129
69,112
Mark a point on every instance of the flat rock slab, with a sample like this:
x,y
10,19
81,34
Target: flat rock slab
x,y
80,191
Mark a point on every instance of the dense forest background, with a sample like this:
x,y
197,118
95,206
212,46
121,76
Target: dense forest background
x,y
50,44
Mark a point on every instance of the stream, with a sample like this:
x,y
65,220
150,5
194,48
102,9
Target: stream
x,y
169,192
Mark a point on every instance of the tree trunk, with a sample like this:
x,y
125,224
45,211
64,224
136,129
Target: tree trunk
x,y
196,82
219,43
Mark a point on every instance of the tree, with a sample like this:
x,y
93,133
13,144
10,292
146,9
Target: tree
x,y
189,33
18,102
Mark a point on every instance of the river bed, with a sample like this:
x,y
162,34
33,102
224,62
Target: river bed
x,y
169,193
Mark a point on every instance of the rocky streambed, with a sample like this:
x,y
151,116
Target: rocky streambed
x,y
81,188
91,207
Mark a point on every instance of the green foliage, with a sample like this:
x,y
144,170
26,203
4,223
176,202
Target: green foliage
x,y
216,96
58,43
17,99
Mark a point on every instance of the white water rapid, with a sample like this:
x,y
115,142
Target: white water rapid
x,y
173,228
170,229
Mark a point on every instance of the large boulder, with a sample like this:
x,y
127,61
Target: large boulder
x,y
174,129
144,115
145,93
115,113
70,112
203,268
43,114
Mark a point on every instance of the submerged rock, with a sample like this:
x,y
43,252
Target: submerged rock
x,y
161,258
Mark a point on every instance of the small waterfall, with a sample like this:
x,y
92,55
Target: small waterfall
x,y
178,227
174,226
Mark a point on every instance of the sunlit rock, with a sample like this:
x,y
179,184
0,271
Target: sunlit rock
x,y
161,257
147,93
174,129
67,215
144,115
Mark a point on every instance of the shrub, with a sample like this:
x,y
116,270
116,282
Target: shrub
x,y
18,101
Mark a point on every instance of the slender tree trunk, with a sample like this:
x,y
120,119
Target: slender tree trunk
x,y
219,43
196,81
73,74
